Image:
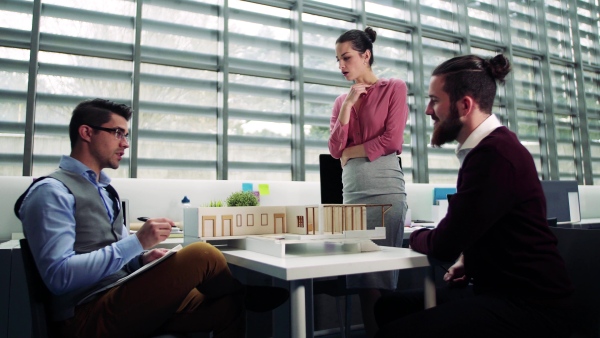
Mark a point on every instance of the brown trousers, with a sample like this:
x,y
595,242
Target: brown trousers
x,y
191,291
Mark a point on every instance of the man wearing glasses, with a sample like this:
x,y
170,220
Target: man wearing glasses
x,y
73,222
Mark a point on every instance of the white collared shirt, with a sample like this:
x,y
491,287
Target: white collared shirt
x,y
484,129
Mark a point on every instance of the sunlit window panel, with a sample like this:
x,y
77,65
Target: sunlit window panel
x,y
12,126
398,10
562,79
592,92
528,95
318,103
269,99
393,59
178,91
82,76
588,33
338,3
523,28
563,96
14,65
71,70
323,83
170,30
436,51
319,36
168,156
592,101
443,164
258,35
563,88
88,28
15,20
259,123
529,133
119,7
320,108
174,33
177,120
14,68
70,79
439,14
526,75
565,145
407,151
407,164
483,19
393,56
557,25
178,78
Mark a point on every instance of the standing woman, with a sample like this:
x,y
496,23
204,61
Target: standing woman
x,y
367,127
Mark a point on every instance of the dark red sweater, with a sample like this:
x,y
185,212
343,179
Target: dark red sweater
x,y
497,219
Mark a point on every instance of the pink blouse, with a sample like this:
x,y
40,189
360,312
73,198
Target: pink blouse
x,y
379,125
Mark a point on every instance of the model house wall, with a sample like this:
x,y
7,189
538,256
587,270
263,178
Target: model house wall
x,y
330,219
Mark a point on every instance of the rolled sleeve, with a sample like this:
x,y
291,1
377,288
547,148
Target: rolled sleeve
x,y
338,137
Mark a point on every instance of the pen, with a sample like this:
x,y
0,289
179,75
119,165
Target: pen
x,y
144,219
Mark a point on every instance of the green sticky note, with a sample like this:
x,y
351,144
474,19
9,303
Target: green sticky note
x,y
247,187
263,189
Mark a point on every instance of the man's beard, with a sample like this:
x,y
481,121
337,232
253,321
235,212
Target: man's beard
x,y
447,130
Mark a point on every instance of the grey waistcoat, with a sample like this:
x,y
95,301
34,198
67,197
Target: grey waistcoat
x,y
93,231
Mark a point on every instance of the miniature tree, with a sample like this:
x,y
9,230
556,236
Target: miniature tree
x,y
242,199
215,204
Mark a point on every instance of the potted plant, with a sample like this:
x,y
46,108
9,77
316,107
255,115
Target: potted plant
x,y
242,199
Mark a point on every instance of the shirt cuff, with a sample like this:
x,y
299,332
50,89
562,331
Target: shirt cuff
x,y
130,247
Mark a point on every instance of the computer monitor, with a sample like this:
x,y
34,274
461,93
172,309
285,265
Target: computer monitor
x,y
125,208
562,200
330,171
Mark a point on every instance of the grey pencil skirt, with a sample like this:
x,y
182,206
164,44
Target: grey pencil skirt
x,y
377,182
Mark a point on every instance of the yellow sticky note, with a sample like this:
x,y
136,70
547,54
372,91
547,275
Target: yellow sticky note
x,y
263,189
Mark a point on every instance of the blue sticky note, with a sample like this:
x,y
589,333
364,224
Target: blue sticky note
x,y
442,194
247,187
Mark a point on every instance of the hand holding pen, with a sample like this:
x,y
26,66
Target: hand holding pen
x,y
153,231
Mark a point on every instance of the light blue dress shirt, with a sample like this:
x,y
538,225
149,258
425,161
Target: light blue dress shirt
x,y
48,218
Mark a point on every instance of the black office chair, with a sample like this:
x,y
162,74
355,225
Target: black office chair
x,y
39,296
580,249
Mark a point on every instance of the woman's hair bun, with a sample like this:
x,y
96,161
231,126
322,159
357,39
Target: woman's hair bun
x,y
371,33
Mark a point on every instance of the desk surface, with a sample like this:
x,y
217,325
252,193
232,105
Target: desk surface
x,y
588,223
296,267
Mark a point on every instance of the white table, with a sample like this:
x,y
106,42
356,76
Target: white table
x,y
300,270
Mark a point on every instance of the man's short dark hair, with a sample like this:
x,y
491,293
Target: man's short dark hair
x,y
474,76
95,112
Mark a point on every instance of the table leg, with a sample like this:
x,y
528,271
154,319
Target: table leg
x,y
429,287
300,301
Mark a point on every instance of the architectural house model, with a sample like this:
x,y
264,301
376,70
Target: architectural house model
x,y
317,226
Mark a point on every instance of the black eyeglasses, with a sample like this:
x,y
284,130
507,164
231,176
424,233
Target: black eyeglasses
x,y
119,133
